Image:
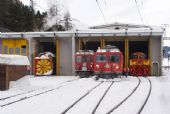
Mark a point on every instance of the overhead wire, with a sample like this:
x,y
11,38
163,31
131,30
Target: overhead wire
x,y
139,12
34,3
101,11
40,6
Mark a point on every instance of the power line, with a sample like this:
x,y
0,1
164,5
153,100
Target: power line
x,y
40,6
101,12
139,12
34,3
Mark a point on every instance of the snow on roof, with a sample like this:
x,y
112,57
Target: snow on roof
x,y
143,31
118,25
14,59
154,31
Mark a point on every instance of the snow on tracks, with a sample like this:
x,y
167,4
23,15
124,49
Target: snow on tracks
x,y
91,102
136,102
117,93
52,102
5,101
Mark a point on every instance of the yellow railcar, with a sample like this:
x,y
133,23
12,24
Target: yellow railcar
x,y
15,46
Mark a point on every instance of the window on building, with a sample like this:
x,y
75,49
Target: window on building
x,y
0,46
17,51
0,49
5,49
23,50
11,51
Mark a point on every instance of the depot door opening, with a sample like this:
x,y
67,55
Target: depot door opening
x,y
93,45
118,44
43,47
138,46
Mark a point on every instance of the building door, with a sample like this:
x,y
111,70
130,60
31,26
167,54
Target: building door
x,y
155,69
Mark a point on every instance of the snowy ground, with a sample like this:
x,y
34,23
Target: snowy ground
x,y
53,95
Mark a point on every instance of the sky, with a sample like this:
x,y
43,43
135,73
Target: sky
x,y
153,12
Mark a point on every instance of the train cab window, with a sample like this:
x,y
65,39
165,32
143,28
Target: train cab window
x,y
23,50
114,58
83,59
101,58
5,49
134,56
17,51
142,56
78,58
11,51
89,58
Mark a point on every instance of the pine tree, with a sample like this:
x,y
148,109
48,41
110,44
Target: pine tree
x,y
4,11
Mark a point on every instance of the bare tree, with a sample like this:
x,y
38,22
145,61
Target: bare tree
x,y
67,21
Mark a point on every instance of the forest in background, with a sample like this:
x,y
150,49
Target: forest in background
x,y
17,17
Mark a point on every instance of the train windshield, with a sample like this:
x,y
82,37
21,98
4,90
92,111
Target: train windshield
x,y
134,56
142,56
114,58
84,59
138,56
101,58
89,58
78,58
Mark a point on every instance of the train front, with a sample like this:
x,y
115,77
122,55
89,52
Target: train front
x,y
108,63
84,63
139,64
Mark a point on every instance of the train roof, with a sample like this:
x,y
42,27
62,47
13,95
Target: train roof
x,y
89,52
109,48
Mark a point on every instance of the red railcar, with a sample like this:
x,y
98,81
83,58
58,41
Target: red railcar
x,y
108,63
84,63
139,64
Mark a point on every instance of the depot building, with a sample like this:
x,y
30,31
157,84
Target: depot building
x,y
64,44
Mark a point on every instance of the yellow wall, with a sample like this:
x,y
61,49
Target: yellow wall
x,y
14,46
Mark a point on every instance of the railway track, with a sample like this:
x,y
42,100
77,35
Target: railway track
x,y
149,93
83,96
133,91
37,94
94,110
119,104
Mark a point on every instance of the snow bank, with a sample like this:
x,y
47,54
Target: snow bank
x,y
14,60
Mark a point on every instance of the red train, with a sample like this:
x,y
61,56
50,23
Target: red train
x,y
108,62
84,63
105,63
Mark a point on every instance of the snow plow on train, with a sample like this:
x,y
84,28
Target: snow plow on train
x,y
139,64
44,64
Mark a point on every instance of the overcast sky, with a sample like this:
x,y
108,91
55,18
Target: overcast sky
x,y
154,12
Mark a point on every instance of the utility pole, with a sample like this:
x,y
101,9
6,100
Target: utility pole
x,y
165,26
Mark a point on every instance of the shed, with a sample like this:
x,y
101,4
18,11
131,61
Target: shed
x,y
12,67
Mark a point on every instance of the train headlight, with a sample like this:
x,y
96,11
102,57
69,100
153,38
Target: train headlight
x,y
84,64
117,67
107,66
91,66
97,66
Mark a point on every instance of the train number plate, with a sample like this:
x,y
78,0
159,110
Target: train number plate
x,y
84,68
